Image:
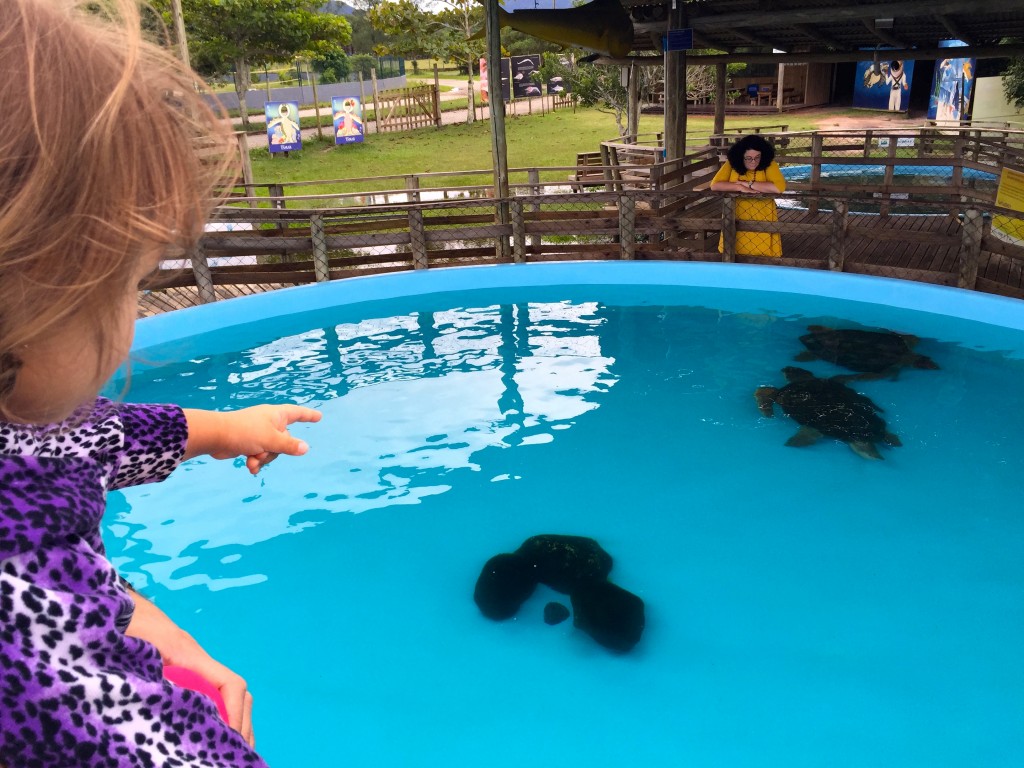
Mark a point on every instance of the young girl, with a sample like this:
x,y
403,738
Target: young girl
x,y
98,178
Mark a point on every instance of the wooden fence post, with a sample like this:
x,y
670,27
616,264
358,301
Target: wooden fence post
x,y
816,149
418,238
627,226
515,209
837,241
321,266
201,270
728,228
970,248
533,176
376,99
437,98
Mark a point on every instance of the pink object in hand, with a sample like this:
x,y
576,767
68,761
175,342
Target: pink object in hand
x,y
186,678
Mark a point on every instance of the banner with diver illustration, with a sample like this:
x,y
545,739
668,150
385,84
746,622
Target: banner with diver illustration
x,y
348,119
283,134
951,86
883,83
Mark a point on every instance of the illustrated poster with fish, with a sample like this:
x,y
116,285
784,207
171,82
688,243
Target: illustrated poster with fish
x,y
348,119
952,85
283,134
884,84
524,85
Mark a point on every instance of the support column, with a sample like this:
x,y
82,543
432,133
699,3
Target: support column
x,y
633,105
720,77
675,91
499,153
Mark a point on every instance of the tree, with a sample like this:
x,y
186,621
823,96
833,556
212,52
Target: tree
x,y
1013,83
444,35
333,66
593,85
226,35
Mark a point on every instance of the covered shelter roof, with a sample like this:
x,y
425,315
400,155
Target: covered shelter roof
x,y
831,30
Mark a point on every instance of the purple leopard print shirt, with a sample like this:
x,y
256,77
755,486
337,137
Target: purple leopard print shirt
x,y
74,689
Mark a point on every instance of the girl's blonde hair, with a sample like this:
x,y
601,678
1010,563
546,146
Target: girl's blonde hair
x,y
98,163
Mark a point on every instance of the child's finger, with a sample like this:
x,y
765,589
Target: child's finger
x,y
294,413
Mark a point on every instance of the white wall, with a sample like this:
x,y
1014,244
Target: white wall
x,y
991,105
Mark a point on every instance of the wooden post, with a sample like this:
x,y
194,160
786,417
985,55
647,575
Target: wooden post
x,y
970,248
499,150
627,227
417,238
201,271
376,114
816,152
728,228
837,241
533,176
606,161
316,101
246,162
675,90
179,32
321,266
633,103
887,180
779,87
362,103
437,97
518,230
412,184
720,76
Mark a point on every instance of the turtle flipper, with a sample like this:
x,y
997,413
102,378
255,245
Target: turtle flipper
x,y
923,361
893,440
765,397
804,357
865,450
804,436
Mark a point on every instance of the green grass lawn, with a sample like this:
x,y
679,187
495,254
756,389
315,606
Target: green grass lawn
x,y
552,139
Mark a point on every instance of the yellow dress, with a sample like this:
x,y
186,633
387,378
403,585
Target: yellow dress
x,y
759,209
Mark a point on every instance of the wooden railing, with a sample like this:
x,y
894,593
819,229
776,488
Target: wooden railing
x,y
417,221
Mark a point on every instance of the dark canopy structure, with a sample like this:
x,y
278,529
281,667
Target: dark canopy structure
x,y
828,26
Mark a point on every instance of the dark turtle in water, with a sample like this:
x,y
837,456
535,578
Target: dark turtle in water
x,y
875,354
827,407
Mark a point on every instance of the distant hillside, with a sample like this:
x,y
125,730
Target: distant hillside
x,y
337,7
540,5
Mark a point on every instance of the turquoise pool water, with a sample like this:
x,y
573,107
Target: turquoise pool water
x,y
805,607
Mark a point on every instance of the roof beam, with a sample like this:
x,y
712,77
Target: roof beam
x,y
908,54
885,37
815,34
849,12
952,27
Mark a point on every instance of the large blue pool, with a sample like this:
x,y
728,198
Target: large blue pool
x,y
804,606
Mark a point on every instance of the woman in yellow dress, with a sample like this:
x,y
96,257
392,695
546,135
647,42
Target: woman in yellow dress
x,y
751,170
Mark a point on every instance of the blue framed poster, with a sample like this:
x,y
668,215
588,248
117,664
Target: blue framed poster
x,y
883,84
283,134
951,86
348,119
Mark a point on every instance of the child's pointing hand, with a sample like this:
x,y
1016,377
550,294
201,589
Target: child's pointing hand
x,y
259,433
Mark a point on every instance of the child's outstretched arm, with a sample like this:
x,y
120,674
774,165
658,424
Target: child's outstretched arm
x,y
259,433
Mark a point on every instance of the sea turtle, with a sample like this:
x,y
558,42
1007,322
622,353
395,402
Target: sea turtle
x,y
827,407
875,354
